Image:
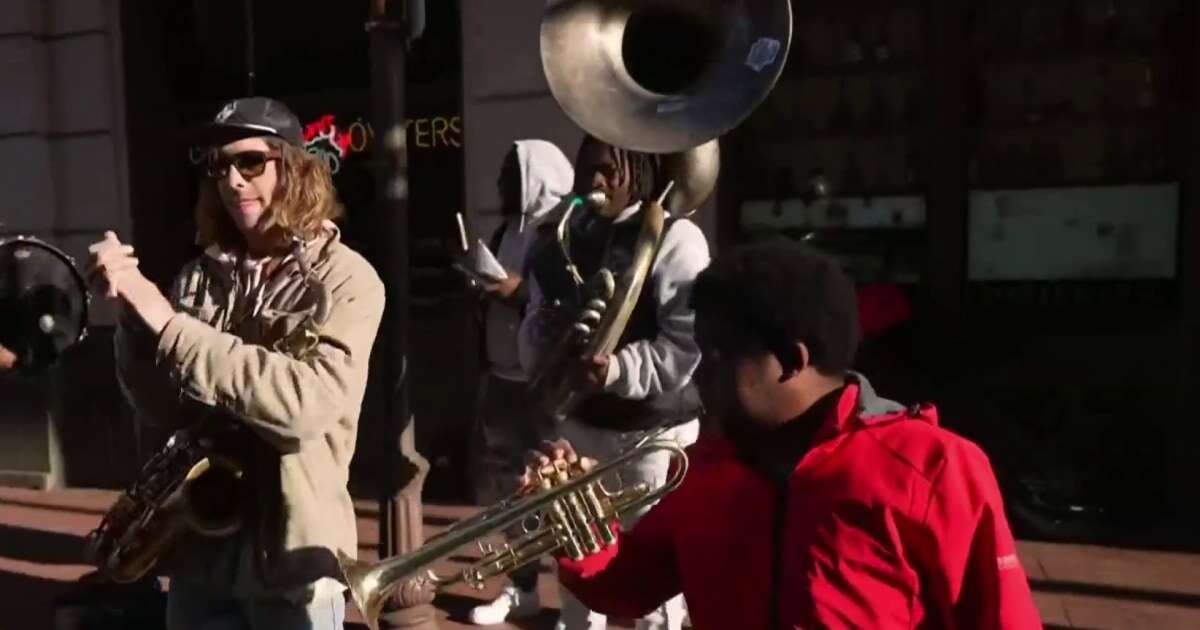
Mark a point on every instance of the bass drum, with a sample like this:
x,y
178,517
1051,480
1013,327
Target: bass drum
x,y
43,301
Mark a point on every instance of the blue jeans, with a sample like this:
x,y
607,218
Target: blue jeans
x,y
190,607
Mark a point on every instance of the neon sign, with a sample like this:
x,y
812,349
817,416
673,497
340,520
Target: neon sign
x,y
333,144
323,139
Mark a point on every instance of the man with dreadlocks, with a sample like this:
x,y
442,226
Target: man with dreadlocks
x,y
646,383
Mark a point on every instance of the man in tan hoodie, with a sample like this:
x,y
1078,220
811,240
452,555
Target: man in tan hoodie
x,y
270,332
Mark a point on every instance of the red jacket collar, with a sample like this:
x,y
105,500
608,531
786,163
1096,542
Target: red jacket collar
x,y
848,415
841,419
853,412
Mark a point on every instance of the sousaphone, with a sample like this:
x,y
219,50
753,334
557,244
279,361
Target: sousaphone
x,y
658,76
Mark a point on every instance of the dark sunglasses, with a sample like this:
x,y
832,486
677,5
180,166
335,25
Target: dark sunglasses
x,y
249,164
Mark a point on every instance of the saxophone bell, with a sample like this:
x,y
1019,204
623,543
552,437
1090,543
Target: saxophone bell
x,y
187,486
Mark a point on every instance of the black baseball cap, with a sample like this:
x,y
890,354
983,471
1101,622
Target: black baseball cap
x,y
247,118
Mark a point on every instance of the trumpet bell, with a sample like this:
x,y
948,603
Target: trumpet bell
x,y
663,76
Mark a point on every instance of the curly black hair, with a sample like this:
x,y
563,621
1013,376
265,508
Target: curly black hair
x,y
782,292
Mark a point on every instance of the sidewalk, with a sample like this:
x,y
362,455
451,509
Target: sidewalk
x,y
1080,586
1076,586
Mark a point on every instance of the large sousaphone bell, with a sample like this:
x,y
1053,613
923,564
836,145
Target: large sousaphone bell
x,y
658,76
663,76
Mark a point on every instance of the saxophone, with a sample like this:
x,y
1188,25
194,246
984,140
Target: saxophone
x,y
196,483
185,486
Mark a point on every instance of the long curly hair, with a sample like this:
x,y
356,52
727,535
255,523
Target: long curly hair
x,y
305,199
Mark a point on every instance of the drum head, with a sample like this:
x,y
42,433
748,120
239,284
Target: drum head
x,y
43,301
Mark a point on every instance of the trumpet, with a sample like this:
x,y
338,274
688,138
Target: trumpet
x,y
570,512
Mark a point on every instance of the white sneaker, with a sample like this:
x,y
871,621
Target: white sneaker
x,y
512,603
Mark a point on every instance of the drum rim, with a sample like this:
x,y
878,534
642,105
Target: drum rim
x,y
6,239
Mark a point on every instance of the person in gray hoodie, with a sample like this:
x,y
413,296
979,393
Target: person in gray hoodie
x,y
534,177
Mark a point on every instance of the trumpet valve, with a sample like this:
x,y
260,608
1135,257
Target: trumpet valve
x,y
566,535
562,472
475,580
600,515
583,520
607,535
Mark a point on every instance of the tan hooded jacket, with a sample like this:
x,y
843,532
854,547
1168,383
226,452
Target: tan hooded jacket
x,y
219,355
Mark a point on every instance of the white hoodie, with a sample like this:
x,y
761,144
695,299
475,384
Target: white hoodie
x,y
546,177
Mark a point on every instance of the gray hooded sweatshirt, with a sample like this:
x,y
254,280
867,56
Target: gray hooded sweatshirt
x,y
546,177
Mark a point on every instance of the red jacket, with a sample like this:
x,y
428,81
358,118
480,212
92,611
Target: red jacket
x,y
887,522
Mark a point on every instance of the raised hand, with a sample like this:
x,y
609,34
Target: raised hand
x,y
110,260
114,272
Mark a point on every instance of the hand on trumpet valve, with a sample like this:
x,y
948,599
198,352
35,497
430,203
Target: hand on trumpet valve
x,y
554,463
